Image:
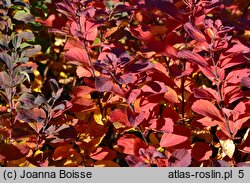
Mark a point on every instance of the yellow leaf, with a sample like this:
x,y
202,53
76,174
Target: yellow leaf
x,y
98,118
228,147
31,165
105,163
161,149
38,152
62,74
73,161
37,84
18,163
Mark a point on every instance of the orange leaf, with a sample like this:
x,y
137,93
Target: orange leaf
x,y
130,144
105,163
63,152
103,153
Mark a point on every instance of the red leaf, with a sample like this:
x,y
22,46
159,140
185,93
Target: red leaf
x,y
201,151
229,60
194,32
48,22
171,96
169,140
170,113
11,152
82,103
236,76
161,47
63,152
192,56
132,95
232,93
208,109
245,146
87,30
130,144
81,91
154,87
119,116
52,21
182,130
206,93
238,48
206,121
103,153
208,72
165,125
78,55
160,67
221,135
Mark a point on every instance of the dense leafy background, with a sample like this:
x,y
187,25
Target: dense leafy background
x,y
124,83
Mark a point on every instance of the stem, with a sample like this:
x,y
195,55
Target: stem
x,y
12,93
219,85
141,132
91,67
183,87
183,97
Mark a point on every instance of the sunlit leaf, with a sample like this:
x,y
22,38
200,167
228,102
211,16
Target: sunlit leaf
x,y
24,16
103,153
228,147
169,139
130,144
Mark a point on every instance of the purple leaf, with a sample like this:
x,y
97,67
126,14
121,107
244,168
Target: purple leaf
x,y
126,78
180,158
140,66
31,115
103,84
165,6
220,163
245,81
243,164
134,161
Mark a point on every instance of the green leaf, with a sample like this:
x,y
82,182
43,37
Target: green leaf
x,y
23,16
16,41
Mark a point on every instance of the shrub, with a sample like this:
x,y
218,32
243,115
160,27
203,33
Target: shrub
x,y
146,83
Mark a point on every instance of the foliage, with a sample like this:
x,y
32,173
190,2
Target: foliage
x,y
124,83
